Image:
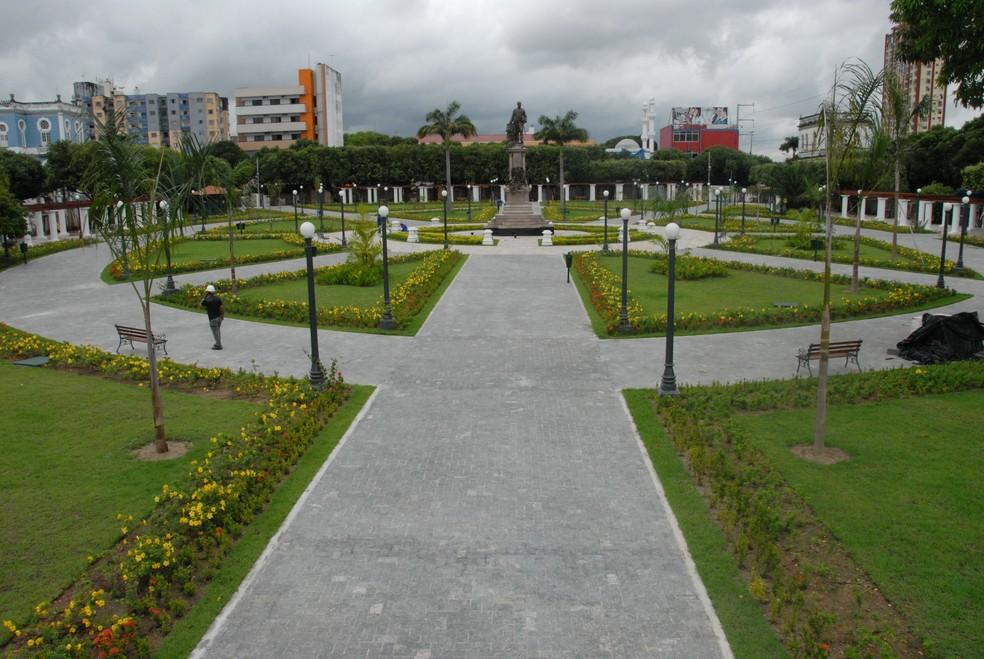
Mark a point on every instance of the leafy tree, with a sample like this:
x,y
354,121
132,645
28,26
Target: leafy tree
x,y
372,138
25,174
791,143
228,151
795,180
952,30
973,177
12,222
560,130
446,124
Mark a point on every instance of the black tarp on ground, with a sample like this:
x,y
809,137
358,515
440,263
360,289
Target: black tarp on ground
x,y
944,339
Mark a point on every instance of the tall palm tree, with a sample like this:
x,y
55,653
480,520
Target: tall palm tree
x,y
844,123
791,143
447,123
559,131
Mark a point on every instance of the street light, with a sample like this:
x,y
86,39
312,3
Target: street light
x,y
341,203
947,208
624,327
317,375
744,191
386,322
604,240
169,288
964,219
717,213
321,206
126,261
444,198
295,210
668,386
563,197
201,208
469,201
916,214
686,201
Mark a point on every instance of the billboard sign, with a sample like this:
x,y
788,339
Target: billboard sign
x,y
694,115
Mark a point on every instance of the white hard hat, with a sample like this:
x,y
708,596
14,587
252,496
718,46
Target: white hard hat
x,y
210,289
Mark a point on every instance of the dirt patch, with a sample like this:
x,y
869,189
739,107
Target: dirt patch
x,y
827,455
175,449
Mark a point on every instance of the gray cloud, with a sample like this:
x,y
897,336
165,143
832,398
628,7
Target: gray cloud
x,y
400,59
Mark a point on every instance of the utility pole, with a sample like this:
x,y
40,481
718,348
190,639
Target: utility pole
x,y
259,194
738,121
708,181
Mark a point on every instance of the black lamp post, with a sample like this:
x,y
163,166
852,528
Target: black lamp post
x,y
169,288
686,200
604,240
717,214
126,261
964,218
317,375
321,207
624,327
341,203
444,198
744,191
939,280
386,322
915,216
295,211
668,386
563,198
201,208
469,201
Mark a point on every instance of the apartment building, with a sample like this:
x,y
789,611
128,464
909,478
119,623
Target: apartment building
x,y
920,80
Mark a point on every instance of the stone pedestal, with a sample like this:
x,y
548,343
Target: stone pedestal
x,y
547,238
487,237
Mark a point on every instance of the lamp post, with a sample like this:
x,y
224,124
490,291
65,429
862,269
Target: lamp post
x,y
717,214
686,201
916,214
563,198
341,203
744,191
444,198
604,240
201,209
317,375
624,327
321,206
386,321
295,211
947,208
126,261
964,218
668,386
169,288
469,201
492,194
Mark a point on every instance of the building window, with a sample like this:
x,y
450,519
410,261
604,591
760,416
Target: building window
x,y
256,102
22,129
257,120
44,126
3,134
211,111
295,100
275,138
274,101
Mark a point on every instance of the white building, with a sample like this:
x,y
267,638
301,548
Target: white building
x,y
650,134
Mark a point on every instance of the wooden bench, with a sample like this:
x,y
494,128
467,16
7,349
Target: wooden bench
x,y
131,334
846,349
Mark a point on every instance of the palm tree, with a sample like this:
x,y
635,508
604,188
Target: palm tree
x,y
560,130
791,143
844,124
447,123
899,113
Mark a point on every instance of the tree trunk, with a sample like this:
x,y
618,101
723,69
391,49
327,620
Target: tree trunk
x,y
449,202
160,440
820,423
895,221
856,261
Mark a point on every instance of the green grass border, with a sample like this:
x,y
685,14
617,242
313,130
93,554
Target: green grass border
x,y
748,631
189,629
412,327
599,327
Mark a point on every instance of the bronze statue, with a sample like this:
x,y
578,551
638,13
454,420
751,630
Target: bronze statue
x,y
514,129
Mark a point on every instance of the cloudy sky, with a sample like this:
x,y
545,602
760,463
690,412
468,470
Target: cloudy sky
x,y
401,58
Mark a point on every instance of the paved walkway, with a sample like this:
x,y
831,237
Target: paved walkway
x,y
493,501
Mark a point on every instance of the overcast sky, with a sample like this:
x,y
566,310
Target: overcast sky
x,y
400,59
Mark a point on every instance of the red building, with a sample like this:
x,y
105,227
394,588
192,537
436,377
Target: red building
x,y
695,138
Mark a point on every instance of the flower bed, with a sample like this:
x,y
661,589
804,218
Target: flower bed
x,y
405,300
911,260
772,533
690,268
136,589
604,289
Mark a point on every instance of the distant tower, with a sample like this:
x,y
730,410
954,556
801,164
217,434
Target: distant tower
x,y
650,135
918,79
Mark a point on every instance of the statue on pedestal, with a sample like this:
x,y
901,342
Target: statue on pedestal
x,y
516,125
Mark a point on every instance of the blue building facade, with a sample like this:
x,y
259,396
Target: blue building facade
x,y
30,128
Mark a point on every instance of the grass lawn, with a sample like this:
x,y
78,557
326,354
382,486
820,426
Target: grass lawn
x,y
714,294
749,633
907,505
66,470
769,245
189,251
286,225
329,296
